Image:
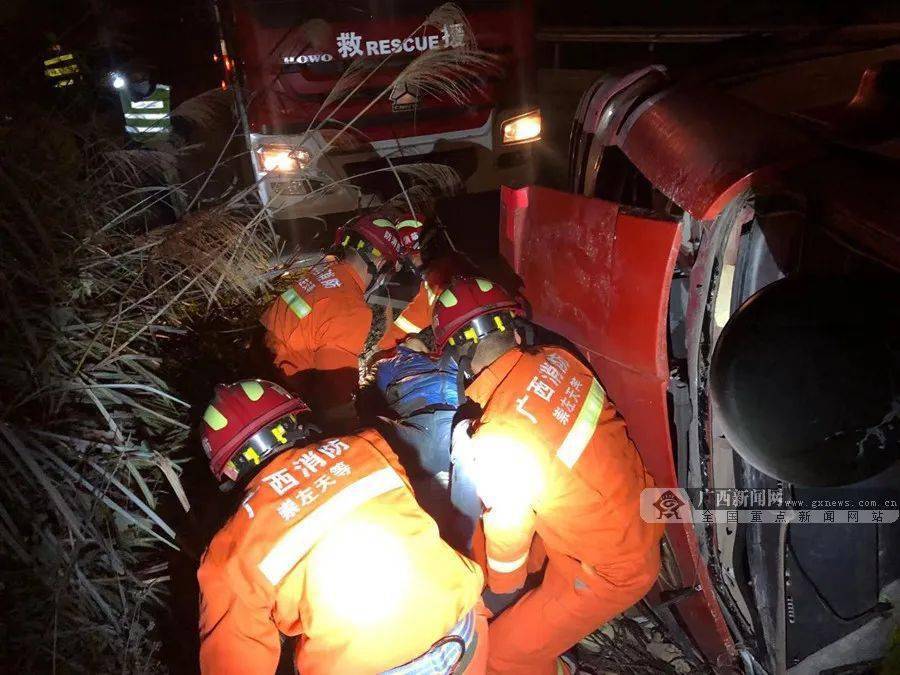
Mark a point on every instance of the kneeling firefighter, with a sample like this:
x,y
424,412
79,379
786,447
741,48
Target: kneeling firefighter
x,y
553,465
317,329
434,276
330,545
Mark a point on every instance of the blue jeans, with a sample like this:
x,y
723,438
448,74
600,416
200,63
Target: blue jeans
x,y
442,488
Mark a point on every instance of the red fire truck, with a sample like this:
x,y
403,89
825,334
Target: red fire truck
x,y
284,58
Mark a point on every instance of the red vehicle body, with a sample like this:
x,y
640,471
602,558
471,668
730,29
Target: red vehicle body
x,y
287,57
687,203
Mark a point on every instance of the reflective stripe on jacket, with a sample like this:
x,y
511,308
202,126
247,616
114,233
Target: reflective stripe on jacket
x,y
414,318
553,457
329,543
61,69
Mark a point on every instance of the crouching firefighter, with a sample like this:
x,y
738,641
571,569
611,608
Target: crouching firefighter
x,y
556,472
433,277
329,545
318,328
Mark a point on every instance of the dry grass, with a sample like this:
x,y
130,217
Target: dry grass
x,y
446,73
206,108
90,434
92,290
228,251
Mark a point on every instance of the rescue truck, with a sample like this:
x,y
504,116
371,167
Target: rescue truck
x,y
284,57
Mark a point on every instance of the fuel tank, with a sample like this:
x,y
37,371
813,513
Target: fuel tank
x,y
805,379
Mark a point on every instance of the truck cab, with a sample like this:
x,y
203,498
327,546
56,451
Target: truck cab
x,y
324,119
731,274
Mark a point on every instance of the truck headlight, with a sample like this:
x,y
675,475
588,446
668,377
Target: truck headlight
x,y
523,128
282,159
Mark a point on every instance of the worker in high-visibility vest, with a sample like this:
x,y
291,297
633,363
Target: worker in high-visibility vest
x,y
328,544
61,67
146,106
553,465
317,329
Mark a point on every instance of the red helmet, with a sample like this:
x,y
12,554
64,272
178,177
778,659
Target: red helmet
x,y
410,230
245,423
373,234
469,309
440,272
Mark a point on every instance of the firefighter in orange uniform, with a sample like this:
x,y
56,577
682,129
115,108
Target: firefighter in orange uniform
x,y
416,316
549,456
435,277
317,329
330,545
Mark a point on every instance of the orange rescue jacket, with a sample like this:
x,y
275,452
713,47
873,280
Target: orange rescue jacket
x,y
317,329
553,457
414,318
330,544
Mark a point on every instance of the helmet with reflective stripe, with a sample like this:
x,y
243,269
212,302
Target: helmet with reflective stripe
x,y
471,308
245,423
410,229
373,235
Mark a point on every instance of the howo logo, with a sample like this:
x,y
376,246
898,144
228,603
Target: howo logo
x,y
307,58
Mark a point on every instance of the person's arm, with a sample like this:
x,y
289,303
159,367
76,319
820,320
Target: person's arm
x,y
414,318
340,336
285,337
495,462
508,531
236,637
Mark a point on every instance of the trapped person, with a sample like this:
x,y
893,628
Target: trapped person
x,y
317,330
424,393
330,545
549,456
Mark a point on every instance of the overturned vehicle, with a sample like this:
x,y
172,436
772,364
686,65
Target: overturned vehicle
x,y
732,276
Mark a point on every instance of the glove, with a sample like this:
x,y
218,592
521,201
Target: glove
x,y
412,382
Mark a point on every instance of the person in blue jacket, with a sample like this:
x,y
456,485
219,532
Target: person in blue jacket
x,y
423,394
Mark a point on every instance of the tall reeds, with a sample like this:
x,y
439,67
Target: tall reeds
x,y
100,268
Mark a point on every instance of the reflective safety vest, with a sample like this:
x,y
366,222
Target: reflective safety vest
x,y
552,457
61,69
331,545
148,118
